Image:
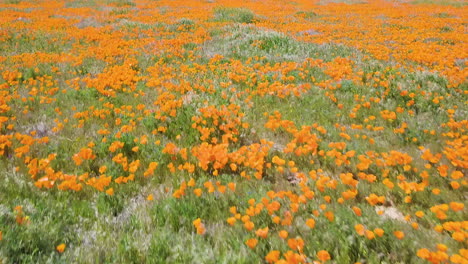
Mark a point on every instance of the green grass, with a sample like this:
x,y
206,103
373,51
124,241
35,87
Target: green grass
x,y
243,42
237,15
225,63
440,2
120,3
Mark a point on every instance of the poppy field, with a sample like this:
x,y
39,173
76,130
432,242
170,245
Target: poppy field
x,y
216,131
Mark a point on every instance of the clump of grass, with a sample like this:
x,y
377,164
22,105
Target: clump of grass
x,y
186,22
120,11
121,3
441,2
307,14
446,29
237,15
79,3
13,2
243,42
443,15
183,24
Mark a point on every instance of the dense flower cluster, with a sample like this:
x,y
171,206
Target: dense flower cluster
x,y
111,96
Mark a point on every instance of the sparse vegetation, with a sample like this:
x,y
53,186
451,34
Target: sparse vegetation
x,y
237,15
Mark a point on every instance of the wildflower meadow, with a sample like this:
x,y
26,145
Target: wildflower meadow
x,y
221,131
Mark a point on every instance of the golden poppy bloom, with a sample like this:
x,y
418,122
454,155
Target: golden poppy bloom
x,y
283,234
310,223
379,232
360,229
272,256
262,232
323,255
361,80
199,226
399,234
251,243
60,248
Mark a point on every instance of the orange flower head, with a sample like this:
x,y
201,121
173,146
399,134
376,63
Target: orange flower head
x,y
252,243
323,255
272,256
262,232
60,248
399,234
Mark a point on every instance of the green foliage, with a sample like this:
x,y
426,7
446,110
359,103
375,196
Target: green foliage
x,y
307,14
121,3
128,228
237,15
243,42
